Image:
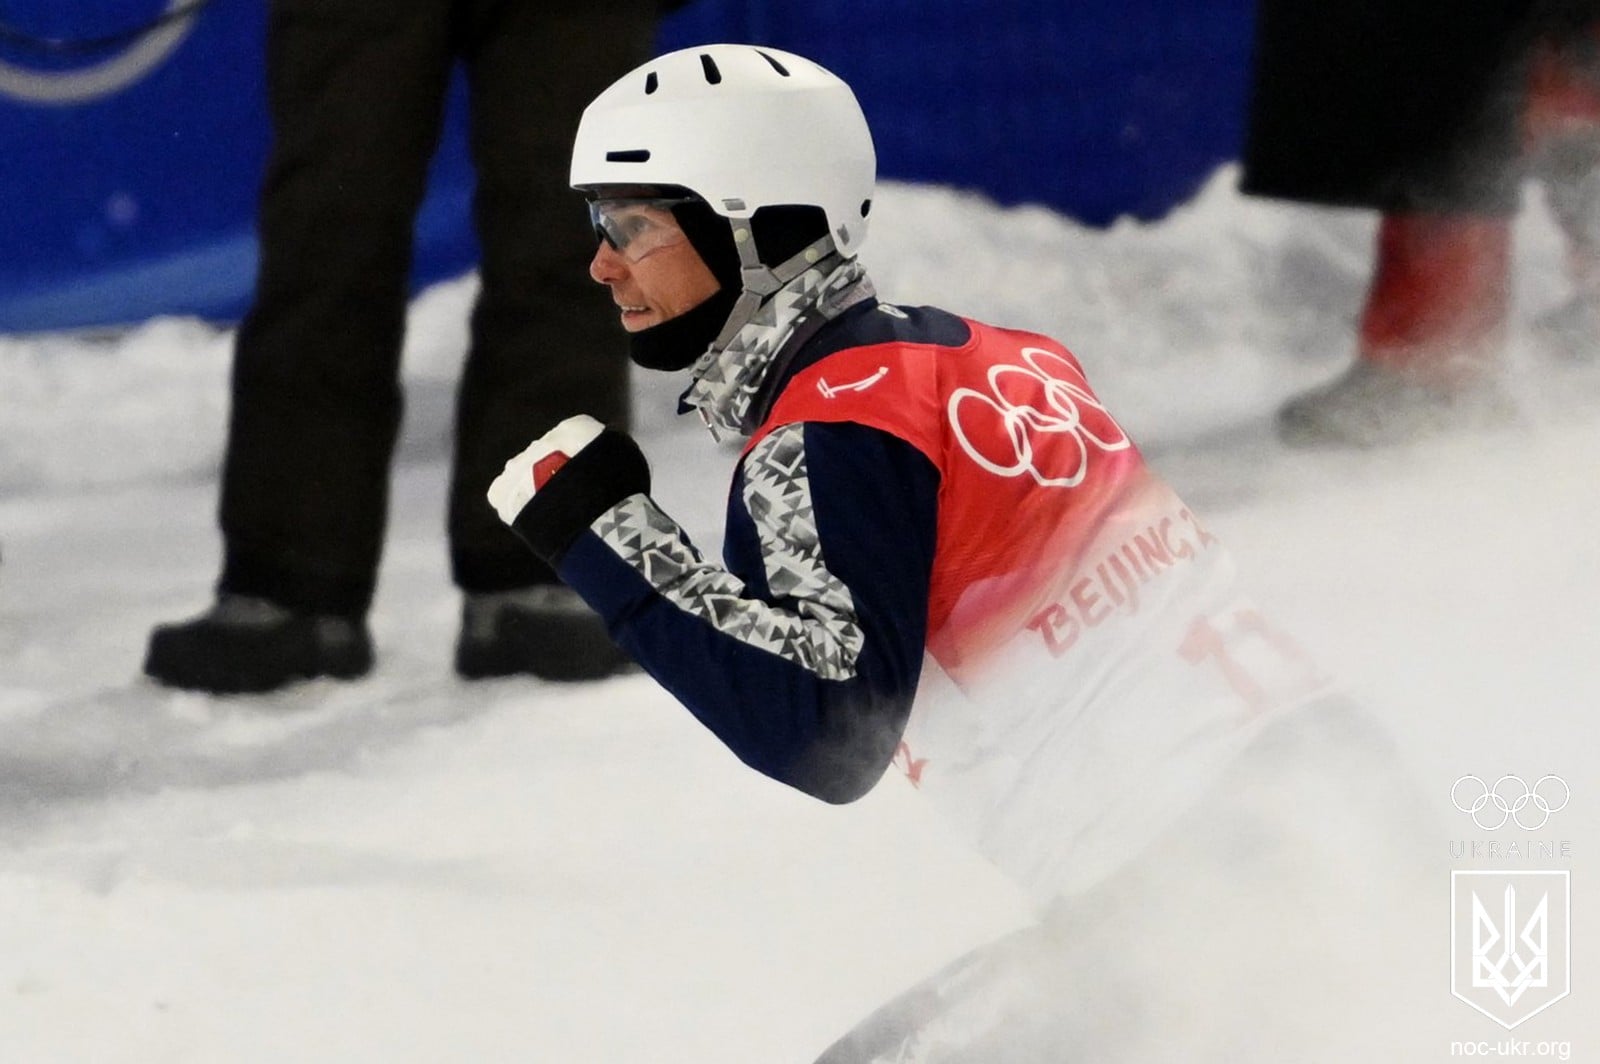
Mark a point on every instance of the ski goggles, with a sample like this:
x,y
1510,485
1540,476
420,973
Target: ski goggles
x,y
635,228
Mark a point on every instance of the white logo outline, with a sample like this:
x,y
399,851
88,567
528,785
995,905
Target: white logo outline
x,y
1510,809
830,391
1065,399
1488,970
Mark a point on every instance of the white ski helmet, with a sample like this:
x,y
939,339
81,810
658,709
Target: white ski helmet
x,y
740,126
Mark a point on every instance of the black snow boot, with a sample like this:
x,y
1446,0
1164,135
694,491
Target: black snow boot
x,y
545,631
245,645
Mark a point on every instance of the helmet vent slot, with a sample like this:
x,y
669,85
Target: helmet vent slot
x,y
779,67
709,65
651,84
635,155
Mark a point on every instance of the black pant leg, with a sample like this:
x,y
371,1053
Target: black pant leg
x,y
355,89
1402,106
545,339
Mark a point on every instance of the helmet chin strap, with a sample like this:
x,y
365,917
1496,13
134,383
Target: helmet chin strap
x,y
763,332
760,281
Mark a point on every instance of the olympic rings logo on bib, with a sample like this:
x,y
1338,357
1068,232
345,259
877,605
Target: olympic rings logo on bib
x,y
1509,807
1024,426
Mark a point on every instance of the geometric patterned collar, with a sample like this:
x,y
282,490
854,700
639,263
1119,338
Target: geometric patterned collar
x,y
728,378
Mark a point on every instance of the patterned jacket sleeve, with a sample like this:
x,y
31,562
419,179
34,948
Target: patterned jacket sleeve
x,y
801,652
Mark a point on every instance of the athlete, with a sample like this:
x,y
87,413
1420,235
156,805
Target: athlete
x,y
942,552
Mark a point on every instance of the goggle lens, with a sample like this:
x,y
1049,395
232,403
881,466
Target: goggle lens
x,y
636,227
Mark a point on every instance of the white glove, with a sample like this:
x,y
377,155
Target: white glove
x,y
528,472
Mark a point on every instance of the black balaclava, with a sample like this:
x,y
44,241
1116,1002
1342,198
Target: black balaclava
x,y
677,342
780,233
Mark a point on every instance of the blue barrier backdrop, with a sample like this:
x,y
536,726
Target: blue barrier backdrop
x,y
133,132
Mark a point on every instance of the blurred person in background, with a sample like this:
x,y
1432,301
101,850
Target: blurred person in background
x,y
356,94
1432,113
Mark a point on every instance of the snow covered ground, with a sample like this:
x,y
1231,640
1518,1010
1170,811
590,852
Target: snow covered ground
x,y
415,869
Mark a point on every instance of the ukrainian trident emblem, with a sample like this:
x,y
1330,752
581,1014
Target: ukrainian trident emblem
x,y
1510,950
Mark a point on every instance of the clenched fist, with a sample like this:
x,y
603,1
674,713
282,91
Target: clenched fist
x,y
531,470
563,481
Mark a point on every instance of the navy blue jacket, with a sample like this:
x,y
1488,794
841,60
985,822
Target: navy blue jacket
x,y
801,651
